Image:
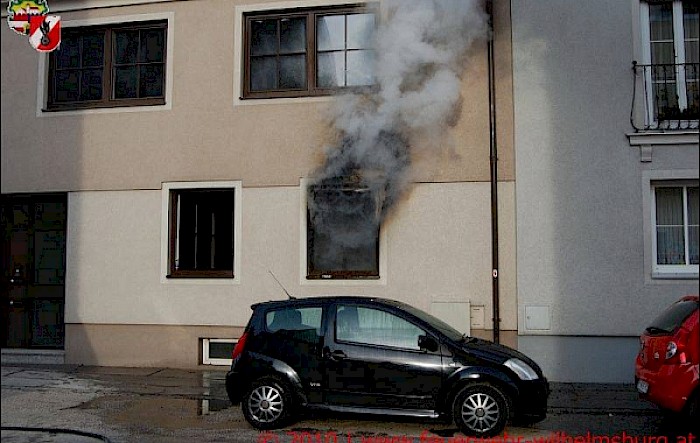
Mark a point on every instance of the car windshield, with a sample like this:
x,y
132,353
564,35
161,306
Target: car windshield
x,y
672,318
438,324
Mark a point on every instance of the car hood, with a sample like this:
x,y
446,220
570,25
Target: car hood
x,y
495,353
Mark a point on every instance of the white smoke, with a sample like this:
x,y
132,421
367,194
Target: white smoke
x,y
420,56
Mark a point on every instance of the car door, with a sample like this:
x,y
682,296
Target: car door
x,y
373,360
293,336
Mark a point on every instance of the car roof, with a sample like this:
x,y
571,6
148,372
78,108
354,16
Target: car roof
x,y
327,298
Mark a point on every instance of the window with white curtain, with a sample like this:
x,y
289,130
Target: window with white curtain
x,y
675,218
671,32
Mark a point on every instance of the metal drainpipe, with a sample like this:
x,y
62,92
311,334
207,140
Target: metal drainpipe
x,y
493,159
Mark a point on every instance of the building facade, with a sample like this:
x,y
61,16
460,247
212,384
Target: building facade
x,y
606,139
157,171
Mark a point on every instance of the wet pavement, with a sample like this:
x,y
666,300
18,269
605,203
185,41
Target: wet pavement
x,y
62,403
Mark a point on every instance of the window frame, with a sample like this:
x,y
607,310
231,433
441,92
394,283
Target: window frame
x,y
311,14
107,101
207,360
671,270
681,87
317,274
165,244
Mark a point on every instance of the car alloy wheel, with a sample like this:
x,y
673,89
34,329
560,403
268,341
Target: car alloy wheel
x,y
267,403
481,409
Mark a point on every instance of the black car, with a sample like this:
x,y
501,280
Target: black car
x,y
378,356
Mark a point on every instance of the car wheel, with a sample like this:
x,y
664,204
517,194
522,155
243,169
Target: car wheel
x,y
481,409
268,403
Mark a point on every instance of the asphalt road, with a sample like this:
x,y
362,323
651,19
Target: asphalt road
x,y
90,404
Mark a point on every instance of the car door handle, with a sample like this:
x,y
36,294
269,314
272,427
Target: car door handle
x,y
336,355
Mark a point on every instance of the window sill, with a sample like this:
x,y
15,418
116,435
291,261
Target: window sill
x,y
674,276
661,137
106,110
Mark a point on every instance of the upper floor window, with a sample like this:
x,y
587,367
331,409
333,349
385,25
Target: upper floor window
x,y
308,52
675,219
671,70
108,66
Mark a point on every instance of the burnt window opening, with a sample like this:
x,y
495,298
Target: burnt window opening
x,y
307,52
201,233
342,232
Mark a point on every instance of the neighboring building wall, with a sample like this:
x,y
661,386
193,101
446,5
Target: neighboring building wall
x,y
114,163
585,285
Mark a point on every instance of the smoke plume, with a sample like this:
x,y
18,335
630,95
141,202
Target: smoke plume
x,y
420,55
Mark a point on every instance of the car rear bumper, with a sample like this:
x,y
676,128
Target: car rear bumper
x,y
234,386
669,386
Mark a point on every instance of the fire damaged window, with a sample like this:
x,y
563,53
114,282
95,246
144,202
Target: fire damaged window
x,y
201,233
108,66
342,232
308,52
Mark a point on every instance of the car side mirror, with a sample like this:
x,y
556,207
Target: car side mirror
x,y
427,343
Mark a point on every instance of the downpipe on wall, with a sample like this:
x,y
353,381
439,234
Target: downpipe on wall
x,y
493,161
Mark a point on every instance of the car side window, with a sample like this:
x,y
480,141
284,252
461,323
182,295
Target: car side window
x,y
358,324
296,323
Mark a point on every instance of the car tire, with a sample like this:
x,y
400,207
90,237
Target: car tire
x,y
268,403
481,409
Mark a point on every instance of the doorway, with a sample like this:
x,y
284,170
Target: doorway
x,y
33,265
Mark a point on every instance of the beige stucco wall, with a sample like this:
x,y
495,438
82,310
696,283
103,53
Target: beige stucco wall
x,y
119,308
201,134
434,249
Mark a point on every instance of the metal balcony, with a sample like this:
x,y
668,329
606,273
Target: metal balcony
x,y
666,97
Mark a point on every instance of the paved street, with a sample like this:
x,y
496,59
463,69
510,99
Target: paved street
x,y
87,404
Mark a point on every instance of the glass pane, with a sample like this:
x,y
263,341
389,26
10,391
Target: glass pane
x,y
661,21
670,239
360,68
126,46
221,349
263,36
693,206
330,32
691,19
125,81
293,72
151,80
292,35
263,73
372,326
360,31
152,44
68,53
67,86
663,53
93,50
49,247
91,84
331,69
666,100
691,55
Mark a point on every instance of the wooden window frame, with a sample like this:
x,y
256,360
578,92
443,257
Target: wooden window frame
x,y
173,228
107,101
311,15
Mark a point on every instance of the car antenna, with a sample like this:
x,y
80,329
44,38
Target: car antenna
x,y
281,286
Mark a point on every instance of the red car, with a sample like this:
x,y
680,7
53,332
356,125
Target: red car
x,y
667,365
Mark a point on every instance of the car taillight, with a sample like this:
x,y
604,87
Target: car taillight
x,y
238,349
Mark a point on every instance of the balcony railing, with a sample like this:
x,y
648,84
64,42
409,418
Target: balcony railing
x,y
670,96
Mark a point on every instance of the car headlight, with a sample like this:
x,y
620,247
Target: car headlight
x,y
522,369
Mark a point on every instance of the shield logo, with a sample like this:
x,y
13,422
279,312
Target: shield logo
x,y
45,32
19,13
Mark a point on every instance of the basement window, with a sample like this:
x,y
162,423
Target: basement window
x,y
217,351
342,232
